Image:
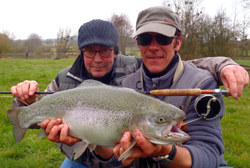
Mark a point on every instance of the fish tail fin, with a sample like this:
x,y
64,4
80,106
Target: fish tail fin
x,y
127,152
19,132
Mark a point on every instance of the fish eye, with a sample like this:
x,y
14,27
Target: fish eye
x,y
161,119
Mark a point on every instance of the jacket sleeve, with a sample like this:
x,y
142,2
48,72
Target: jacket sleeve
x,y
113,161
206,145
213,65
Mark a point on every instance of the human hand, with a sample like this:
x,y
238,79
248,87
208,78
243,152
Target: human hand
x,y
25,91
143,149
235,78
58,132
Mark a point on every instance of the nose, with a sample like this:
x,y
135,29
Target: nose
x,y
97,57
153,45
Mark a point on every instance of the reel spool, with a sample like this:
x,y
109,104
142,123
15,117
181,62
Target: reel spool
x,y
207,107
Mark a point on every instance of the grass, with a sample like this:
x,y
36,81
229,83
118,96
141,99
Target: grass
x,y
32,152
244,62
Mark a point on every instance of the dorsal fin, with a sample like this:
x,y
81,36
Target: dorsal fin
x,y
90,82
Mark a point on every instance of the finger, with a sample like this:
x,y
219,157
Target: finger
x,y
116,150
14,91
25,87
146,146
126,140
44,123
19,89
240,83
64,138
54,134
246,77
127,161
228,79
33,88
53,123
232,85
64,134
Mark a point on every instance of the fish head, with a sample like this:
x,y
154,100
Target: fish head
x,y
162,127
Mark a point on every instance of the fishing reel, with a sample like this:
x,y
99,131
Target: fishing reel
x,y
207,107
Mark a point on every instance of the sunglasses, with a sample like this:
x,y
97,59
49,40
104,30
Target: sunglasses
x,y
146,39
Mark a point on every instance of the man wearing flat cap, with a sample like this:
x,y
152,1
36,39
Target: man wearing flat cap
x,y
158,35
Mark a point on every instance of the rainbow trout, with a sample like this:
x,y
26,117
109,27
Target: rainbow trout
x,y
98,114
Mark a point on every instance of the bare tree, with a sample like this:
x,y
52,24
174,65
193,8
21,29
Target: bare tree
x,y
191,16
18,46
33,42
223,34
64,41
245,44
202,35
125,30
245,4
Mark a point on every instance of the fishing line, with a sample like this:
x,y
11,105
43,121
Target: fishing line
x,y
22,101
184,123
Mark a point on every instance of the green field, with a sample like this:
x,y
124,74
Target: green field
x,y
32,152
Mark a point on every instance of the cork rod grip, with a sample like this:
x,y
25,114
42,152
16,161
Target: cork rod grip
x,y
176,92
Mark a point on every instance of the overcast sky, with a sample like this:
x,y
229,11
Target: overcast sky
x,y
46,17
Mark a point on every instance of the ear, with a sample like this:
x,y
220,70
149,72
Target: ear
x,y
81,53
178,44
138,46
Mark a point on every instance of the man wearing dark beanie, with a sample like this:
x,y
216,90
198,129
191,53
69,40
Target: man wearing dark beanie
x,y
99,59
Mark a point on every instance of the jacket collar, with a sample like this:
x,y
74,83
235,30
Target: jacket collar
x,y
178,70
79,72
177,73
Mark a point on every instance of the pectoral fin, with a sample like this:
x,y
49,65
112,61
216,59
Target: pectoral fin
x,y
128,152
42,134
79,148
91,147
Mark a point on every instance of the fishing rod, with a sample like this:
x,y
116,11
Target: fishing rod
x,y
171,92
189,92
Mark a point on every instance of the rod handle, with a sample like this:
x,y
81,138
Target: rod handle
x,y
176,92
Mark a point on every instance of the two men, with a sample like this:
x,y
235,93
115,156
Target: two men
x,y
98,60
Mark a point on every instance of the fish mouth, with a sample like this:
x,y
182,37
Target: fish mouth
x,y
171,134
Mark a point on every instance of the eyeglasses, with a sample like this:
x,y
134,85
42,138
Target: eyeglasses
x,y
146,39
104,52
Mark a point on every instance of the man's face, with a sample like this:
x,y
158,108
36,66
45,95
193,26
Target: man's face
x,y
98,65
157,57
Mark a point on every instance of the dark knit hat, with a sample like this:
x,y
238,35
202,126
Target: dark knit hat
x,y
97,32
